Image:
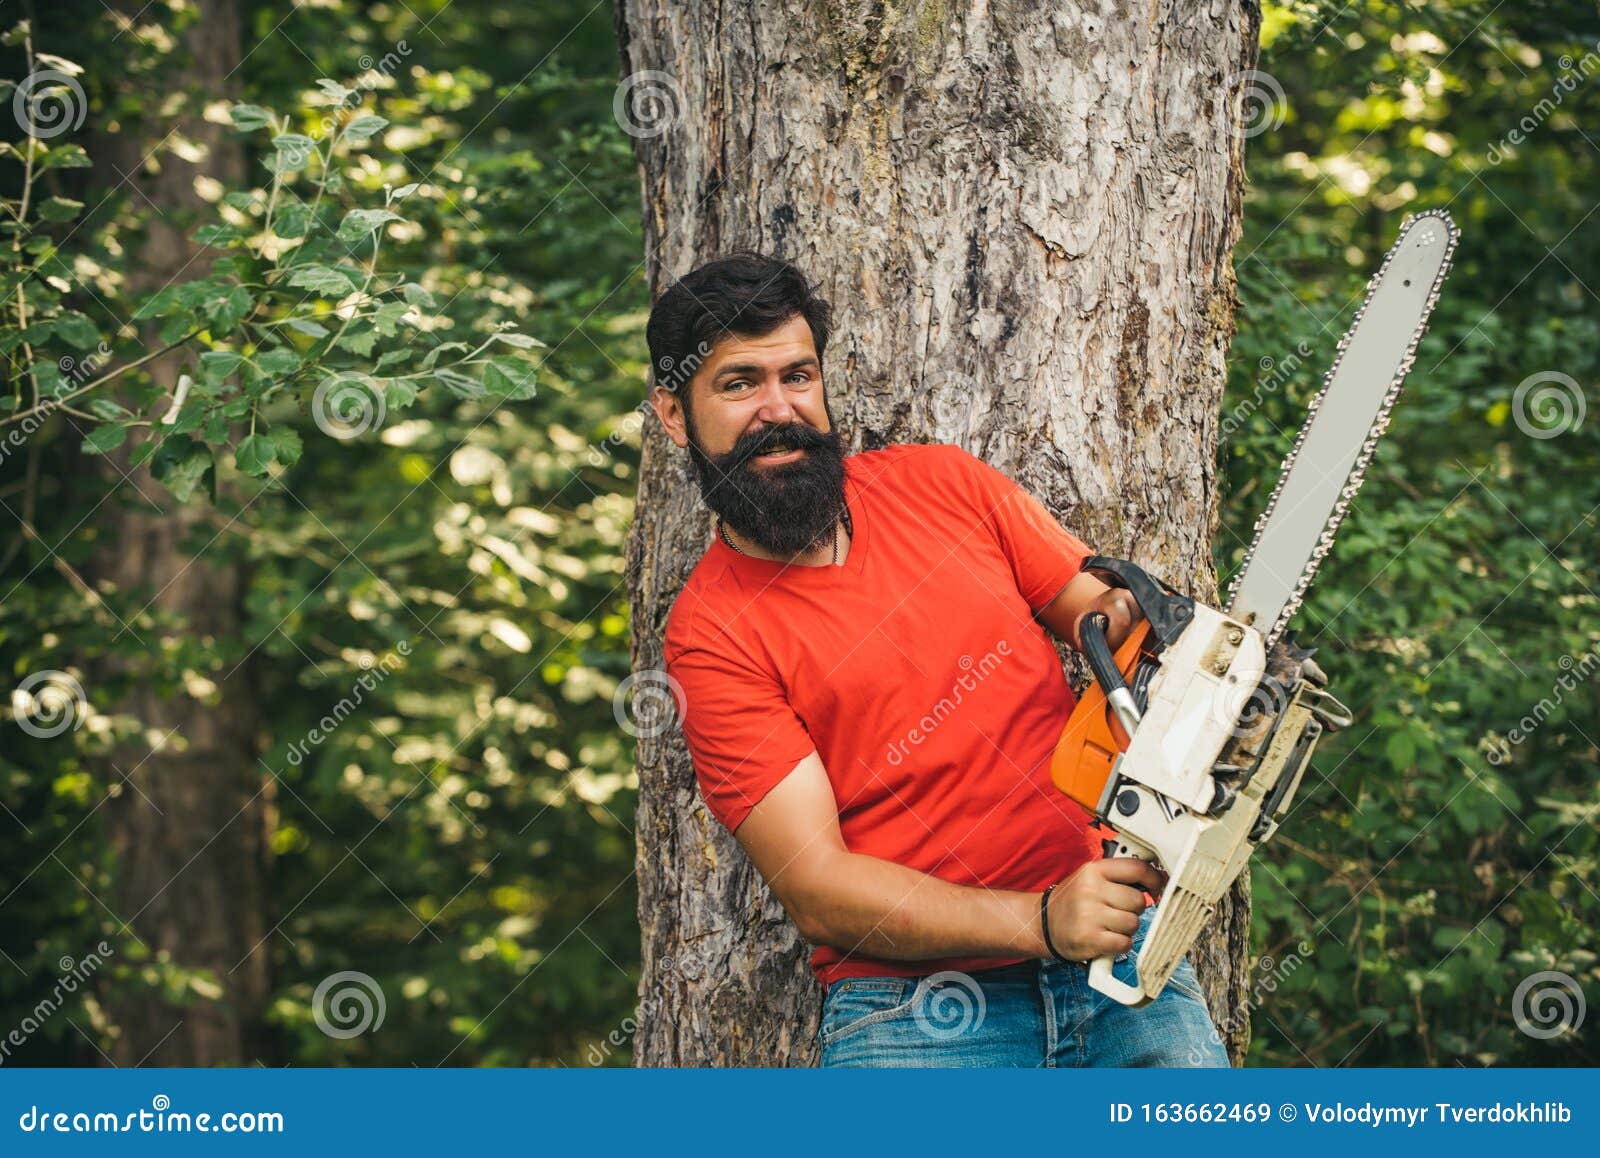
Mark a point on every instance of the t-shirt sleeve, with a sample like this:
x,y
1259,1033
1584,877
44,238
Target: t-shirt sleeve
x,y
742,734
1044,555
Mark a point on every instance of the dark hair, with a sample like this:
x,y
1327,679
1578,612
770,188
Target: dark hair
x,y
745,293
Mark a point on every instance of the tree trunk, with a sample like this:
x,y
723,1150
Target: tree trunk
x,y
189,827
1023,215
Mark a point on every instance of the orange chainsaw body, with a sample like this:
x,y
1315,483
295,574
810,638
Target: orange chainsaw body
x,y
1093,738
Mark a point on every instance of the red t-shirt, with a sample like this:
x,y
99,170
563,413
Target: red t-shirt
x,y
915,670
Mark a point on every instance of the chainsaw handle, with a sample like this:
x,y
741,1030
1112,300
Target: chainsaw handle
x,y
1102,981
1103,662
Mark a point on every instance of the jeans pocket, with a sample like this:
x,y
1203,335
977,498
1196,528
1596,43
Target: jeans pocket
x,y
862,1001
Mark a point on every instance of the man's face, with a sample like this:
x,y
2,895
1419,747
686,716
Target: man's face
x,y
751,396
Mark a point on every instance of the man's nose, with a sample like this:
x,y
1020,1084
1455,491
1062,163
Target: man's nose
x,y
776,409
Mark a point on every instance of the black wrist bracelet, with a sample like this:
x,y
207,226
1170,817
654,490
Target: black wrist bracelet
x,y
1044,925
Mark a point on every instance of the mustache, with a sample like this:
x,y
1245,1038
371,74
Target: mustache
x,y
795,434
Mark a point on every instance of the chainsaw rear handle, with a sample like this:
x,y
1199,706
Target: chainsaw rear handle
x,y
1168,611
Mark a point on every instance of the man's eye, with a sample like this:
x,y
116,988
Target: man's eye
x,y
801,375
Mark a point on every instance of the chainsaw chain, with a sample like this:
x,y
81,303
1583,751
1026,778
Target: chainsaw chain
x,y
1368,447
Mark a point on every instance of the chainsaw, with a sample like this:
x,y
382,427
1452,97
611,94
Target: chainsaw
x,y
1193,736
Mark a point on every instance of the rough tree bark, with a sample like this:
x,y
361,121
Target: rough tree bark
x,y
189,827
1023,215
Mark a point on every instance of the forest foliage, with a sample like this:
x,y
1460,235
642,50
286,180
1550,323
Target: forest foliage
x,y
416,360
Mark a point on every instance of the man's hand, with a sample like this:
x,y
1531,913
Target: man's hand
x,y
1096,911
1064,614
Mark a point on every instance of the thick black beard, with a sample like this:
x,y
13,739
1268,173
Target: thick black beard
x,y
783,509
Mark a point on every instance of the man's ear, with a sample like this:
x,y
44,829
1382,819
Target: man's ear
x,y
669,408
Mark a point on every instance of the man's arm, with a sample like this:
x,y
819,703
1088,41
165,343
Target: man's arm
x,y
1082,595
862,904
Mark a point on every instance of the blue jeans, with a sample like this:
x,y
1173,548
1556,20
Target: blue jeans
x,y
1037,1013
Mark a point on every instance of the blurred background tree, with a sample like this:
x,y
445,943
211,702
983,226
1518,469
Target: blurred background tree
x,y
462,834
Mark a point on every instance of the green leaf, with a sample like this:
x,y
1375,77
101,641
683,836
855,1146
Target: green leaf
x,y
107,436
323,279
216,365
63,157
248,118
416,295
359,340
388,317
216,234
226,312
141,453
459,384
288,445
293,151
1401,750
510,379
180,465
292,221
59,209
364,128
334,90
255,455
76,330
306,326
278,362
519,341
359,223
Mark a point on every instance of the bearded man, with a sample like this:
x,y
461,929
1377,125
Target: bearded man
x,y
872,699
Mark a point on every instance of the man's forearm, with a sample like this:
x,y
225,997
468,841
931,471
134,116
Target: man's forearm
x,y
881,909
